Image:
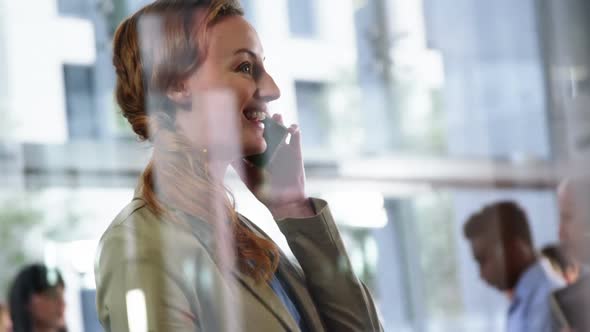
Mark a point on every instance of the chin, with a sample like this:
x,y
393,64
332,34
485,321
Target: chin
x,y
255,148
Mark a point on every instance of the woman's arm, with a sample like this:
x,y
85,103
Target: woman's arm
x,y
343,301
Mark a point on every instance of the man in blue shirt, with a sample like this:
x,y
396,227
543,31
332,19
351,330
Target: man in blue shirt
x,y
502,245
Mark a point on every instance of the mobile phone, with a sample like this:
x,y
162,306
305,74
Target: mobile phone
x,y
274,134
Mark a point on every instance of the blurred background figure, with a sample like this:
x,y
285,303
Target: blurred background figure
x,y
37,300
574,224
5,322
572,302
502,245
561,262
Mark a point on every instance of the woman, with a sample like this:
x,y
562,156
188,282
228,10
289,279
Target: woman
x,y
191,80
5,322
37,300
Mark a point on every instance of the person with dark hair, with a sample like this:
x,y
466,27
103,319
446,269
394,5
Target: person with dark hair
x,y
573,301
37,300
5,321
502,246
191,80
561,262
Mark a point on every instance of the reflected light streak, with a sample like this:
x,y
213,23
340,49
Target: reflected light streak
x,y
136,311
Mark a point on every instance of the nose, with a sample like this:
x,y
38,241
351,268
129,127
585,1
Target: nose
x,y
268,89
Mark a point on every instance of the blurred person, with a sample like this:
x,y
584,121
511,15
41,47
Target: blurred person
x,y
574,222
37,300
561,262
5,321
502,245
191,80
572,302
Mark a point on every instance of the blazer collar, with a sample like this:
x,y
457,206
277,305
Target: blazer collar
x,y
264,293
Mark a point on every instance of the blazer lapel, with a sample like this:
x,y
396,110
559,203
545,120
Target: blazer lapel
x,y
304,300
261,291
267,297
296,284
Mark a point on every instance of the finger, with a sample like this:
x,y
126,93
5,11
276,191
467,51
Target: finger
x,y
293,128
295,140
278,118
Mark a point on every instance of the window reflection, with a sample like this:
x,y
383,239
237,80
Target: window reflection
x,y
477,102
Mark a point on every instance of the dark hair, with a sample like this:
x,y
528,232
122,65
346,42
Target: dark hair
x,y
32,279
503,220
558,257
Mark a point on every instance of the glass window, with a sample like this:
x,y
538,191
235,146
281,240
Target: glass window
x,y
80,101
313,113
416,118
78,8
249,10
302,22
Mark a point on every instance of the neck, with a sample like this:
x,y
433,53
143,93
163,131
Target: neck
x,y
41,328
509,294
217,170
524,265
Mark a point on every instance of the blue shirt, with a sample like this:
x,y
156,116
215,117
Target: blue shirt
x,y
530,309
281,292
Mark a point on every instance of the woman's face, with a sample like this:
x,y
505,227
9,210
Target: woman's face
x,y
5,322
48,307
229,92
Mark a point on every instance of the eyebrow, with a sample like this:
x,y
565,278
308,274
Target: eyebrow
x,y
247,51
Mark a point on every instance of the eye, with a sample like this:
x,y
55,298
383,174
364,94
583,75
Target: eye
x,y
246,68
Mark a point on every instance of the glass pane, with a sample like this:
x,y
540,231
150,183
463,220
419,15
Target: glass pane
x,y
450,142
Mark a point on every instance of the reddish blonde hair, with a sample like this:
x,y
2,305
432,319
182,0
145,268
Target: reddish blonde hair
x,y
176,176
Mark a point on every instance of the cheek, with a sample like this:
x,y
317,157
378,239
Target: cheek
x,y
495,268
488,270
38,309
244,91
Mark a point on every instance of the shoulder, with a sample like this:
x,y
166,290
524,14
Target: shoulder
x,y
135,225
551,279
579,291
541,285
138,233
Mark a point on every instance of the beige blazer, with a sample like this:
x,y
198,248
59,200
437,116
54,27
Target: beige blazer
x,y
165,274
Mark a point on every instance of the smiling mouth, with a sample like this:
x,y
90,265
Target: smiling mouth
x,y
255,115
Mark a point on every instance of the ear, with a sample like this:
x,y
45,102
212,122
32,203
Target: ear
x,y
179,94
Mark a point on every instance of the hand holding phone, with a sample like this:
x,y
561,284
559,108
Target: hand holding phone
x,y
274,134
277,176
